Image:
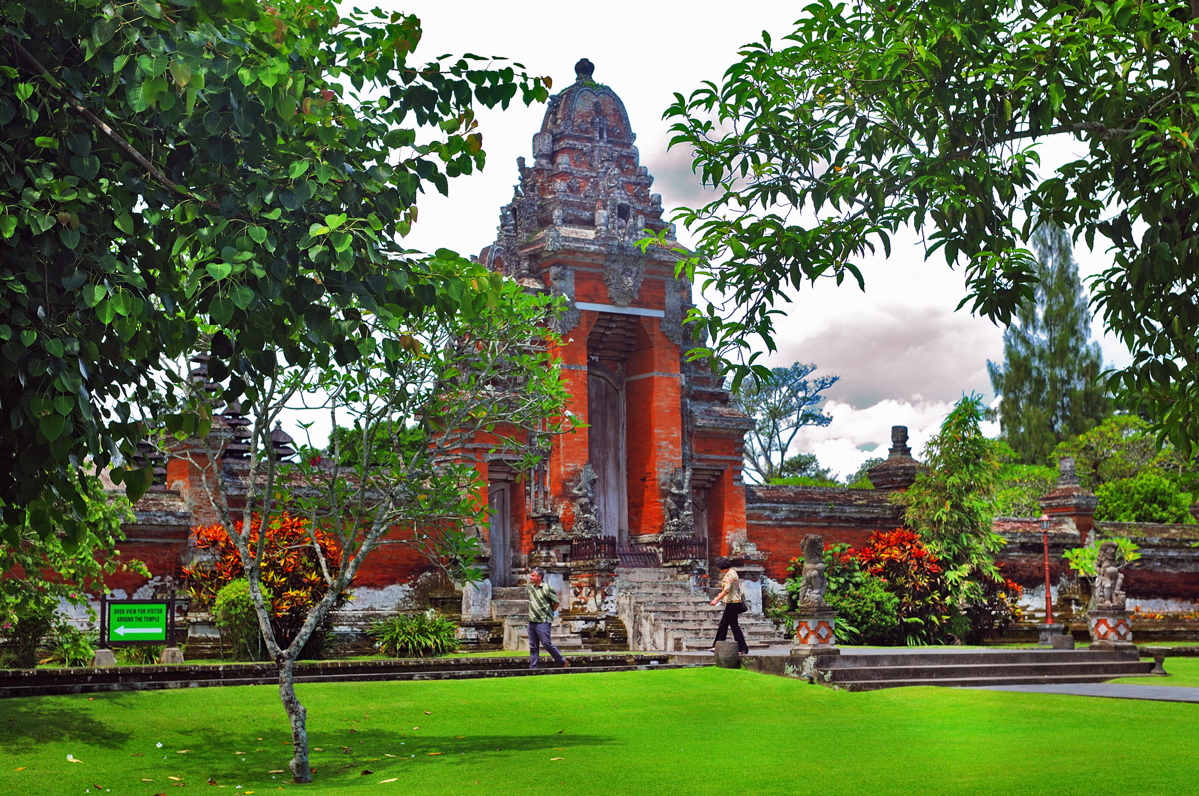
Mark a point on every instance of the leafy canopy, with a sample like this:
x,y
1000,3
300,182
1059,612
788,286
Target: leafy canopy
x,y
173,164
880,115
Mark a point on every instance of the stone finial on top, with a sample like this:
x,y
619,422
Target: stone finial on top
x,y
584,69
1067,476
899,442
898,471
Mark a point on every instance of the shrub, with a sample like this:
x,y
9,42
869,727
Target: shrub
x,y
914,575
1146,497
291,570
23,635
237,620
425,633
990,617
70,646
141,655
868,613
1082,559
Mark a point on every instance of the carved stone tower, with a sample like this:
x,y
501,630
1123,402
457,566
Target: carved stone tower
x,y
571,228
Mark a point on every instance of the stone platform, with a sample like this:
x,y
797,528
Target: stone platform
x,y
868,669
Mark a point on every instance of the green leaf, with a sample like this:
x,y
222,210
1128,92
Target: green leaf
x,y
151,8
92,294
52,426
257,234
46,143
124,222
69,237
28,336
138,482
8,225
87,166
221,311
103,29
297,169
242,296
63,404
341,241
219,271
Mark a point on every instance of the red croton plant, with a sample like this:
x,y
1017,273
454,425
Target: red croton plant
x,y
290,569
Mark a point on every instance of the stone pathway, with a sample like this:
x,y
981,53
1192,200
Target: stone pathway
x,y
1159,693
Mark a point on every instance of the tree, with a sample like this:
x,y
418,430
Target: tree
x,y
1050,379
803,468
1019,487
40,575
169,165
472,369
877,116
781,401
1118,448
949,505
1146,497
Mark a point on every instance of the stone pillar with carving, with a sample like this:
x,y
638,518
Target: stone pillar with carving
x,y
1108,618
815,619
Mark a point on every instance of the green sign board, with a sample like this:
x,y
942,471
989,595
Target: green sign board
x,y
137,622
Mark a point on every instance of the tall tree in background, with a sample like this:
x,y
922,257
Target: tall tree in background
x,y
1050,375
781,403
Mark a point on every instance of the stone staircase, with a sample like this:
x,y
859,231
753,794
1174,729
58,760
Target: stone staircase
x,y
869,672
510,605
665,612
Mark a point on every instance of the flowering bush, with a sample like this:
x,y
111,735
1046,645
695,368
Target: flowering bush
x,y
994,614
914,575
291,571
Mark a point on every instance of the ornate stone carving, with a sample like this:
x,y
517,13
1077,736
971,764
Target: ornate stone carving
x,y
814,584
624,268
562,283
680,517
586,521
1108,594
672,322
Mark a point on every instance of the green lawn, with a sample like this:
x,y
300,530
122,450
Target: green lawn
x,y
697,731
1182,671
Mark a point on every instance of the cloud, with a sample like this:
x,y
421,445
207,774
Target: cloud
x,y
840,445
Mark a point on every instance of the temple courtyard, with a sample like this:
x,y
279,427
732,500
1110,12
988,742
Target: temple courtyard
x,y
682,731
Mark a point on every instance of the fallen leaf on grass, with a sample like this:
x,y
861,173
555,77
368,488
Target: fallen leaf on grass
x,y
146,780
366,772
97,786
427,713
182,751
559,748
353,730
317,749
137,754
22,768
431,754
416,728
73,759
557,758
236,753
459,737
384,754
385,781
277,771
174,778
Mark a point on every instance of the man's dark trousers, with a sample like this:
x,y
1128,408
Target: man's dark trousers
x,y
539,636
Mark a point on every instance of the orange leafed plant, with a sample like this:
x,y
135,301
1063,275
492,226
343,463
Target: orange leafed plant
x,y
290,569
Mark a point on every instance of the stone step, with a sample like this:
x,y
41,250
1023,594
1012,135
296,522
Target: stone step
x,y
1109,669
510,593
972,682
503,608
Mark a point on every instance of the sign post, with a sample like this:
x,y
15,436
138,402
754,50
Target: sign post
x,y
133,622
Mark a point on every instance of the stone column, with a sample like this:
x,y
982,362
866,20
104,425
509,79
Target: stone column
x,y
1069,502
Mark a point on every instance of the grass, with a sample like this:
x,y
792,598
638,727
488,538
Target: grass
x,y
1184,672
695,731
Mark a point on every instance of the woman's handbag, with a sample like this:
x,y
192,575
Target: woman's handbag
x,y
740,609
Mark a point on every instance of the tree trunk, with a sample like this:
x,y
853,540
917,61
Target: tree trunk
x,y
297,714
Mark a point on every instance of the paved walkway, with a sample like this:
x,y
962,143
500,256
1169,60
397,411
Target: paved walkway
x,y
1159,693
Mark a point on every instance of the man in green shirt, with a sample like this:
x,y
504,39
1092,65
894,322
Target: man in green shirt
x,y
543,601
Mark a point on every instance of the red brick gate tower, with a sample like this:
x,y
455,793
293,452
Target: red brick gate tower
x,y
659,463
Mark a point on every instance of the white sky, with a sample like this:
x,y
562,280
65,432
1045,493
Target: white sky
x,y
903,354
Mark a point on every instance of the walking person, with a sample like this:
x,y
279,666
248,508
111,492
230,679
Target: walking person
x,y
543,601
734,605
